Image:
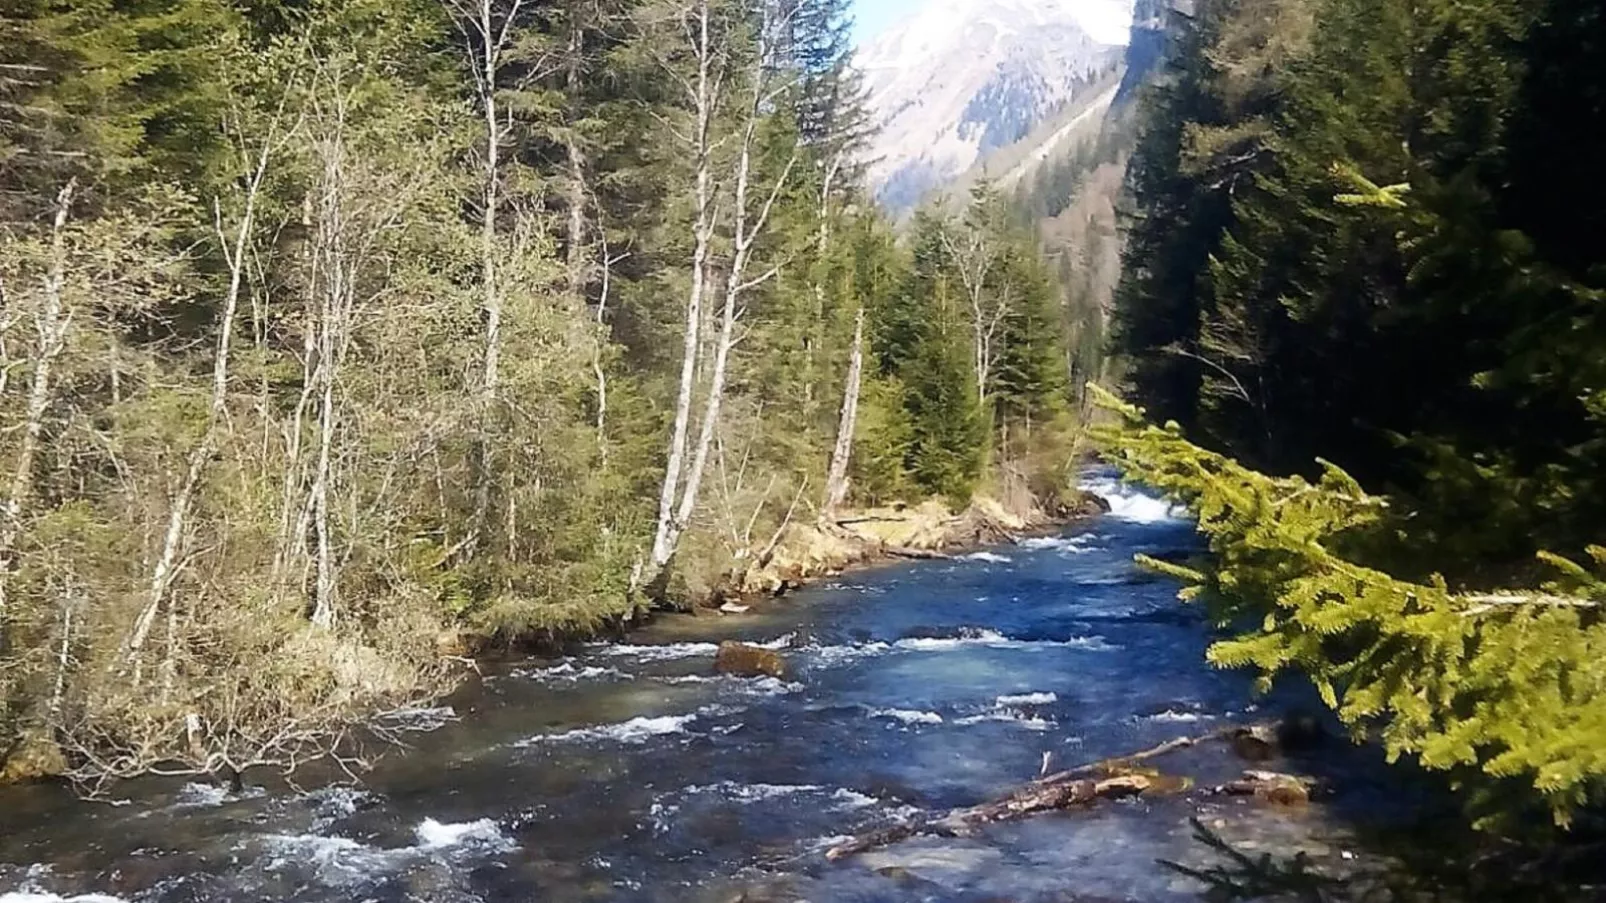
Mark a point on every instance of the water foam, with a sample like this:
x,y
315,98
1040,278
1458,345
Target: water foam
x,y
659,653
1029,722
1172,716
1080,544
483,833
39,897
668,652
839,655
1028,699
907,716
752,793
992,639
989,557
567,672
755,686
1129,504
967,637
635,731
211,796
339,861
418,719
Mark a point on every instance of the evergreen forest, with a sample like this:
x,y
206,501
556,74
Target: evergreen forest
x,y
1362,308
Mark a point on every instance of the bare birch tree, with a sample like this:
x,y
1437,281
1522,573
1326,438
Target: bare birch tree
x,y
836,482
703,89
487,28
51,323
975,255
713,56
234,250
356,202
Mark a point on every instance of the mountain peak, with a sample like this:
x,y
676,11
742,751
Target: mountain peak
x,y
962,78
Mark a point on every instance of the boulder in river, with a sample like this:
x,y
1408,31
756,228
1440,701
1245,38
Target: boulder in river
x,y
743,660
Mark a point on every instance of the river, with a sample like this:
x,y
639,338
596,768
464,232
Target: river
x,y
632,773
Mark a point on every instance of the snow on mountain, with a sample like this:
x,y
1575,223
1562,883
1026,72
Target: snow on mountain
x,y
962,78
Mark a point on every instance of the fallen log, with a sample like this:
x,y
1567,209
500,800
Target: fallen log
x,y
1086,784
871,519
916,554
1121,764
968,821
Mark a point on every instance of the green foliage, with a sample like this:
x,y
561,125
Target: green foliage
x,y
1509,687
1324,182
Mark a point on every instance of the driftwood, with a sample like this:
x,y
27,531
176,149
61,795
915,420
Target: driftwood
x,y
1026,801
1122,763
1086,784
870,519
916,554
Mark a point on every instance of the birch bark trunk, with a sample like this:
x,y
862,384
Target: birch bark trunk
x,y
746,228
173,539
836,484
51,325
704,96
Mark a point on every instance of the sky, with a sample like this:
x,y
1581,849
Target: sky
x,y
871,17
1106,19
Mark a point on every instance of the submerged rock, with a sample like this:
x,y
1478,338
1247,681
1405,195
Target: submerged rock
x,y
743,660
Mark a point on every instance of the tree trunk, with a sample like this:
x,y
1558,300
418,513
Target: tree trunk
x,y
576,189
667,536
333,310
491,300
50,340
836,484
172,542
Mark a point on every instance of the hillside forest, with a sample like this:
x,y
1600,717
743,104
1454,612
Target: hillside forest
x,y
335,331
1362,306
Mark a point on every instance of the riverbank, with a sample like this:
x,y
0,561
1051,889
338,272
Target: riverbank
x,y
833,545
632,773
800,554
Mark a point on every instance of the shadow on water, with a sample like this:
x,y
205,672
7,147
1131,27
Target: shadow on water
x,y
633,773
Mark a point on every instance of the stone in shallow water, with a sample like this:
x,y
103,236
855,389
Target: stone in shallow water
x,y
743,660
947,864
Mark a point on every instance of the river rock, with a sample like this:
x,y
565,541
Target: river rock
x,y
743,660
1256,744
1081,503
1295,733
1273,787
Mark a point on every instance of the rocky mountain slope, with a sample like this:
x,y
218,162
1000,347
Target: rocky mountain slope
x,y
962,79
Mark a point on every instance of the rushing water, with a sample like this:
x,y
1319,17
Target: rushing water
x,y
632,773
